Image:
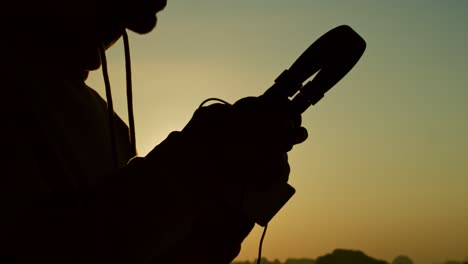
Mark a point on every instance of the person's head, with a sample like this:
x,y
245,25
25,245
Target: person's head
x,y
69,32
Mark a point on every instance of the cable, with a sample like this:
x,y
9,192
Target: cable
x,y
128,72
213,99
261,244
110,105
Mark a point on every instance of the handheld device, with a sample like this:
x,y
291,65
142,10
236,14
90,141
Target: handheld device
x,y
331,57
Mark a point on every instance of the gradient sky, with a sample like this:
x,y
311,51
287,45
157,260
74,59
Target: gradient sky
x,y
385,169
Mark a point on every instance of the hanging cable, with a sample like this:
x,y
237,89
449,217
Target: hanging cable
x,y
259,259
128,72
110,106
213,99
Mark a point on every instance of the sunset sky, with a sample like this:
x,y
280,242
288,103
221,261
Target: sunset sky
x,y
385,169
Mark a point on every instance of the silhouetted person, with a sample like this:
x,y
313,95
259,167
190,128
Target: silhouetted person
x,y
63,200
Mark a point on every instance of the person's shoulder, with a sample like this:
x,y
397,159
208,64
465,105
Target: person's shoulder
x,y
94,95
101,102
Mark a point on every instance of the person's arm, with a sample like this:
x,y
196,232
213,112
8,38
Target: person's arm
x,y
140,211
221,145
165,206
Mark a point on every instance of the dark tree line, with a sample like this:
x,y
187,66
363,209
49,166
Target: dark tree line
x,y
338,256
343,256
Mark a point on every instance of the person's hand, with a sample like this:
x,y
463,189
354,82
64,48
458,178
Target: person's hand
x,y
246,142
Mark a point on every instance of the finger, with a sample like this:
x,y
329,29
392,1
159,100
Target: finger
x,y
283,139
300,135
